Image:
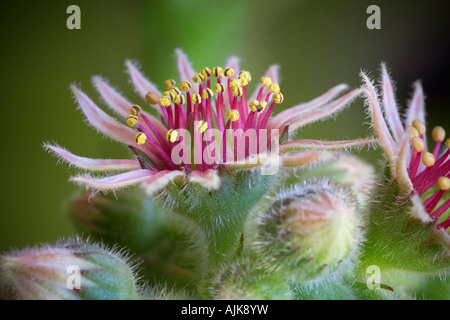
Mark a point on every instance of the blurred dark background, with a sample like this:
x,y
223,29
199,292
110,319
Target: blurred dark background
x,y
318,44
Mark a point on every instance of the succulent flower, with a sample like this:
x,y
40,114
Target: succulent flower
x,y
416,167
70,269
204,127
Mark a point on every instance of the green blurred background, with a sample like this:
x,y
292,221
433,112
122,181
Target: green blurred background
x,y
318,44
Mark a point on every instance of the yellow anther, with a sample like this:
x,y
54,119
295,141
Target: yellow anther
x,y
237,91
177,99
165,101
207,93
219,87
234,83
175,91
152,97
262,106
447,143
419,125
438,134
218,72
428,159
246,75
140,138
228,72
413,131
278,98
182,99
197,78
418,144
168,84
233,115
202,126
185,85
206,72
172,135
275,88
444,183
196,98
253,105
135,110
243,81
169,95
266,81
131,120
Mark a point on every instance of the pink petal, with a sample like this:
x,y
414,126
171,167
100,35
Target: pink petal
x,y
119,104
209,179
325,145
390,106
272,73
185,70
109,126
159,180
141,84
278,120
403,155
306,157
93,164
416,110
114,182
379,124
322,113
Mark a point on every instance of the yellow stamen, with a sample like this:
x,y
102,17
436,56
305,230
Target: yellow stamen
x,y
253,105
219,88
438,134
172,135
197,78
135,110
444,183
278,98
428,159
185,85
169,95
413,131
447,143
237,91
419,125
168,84
196,98
131,120
178,99
275,88
202,126
152,97
165,101
233,115
262,106
418,144
246,75
206,72
266,81
207,93
243,81
140,138
228,72
175,91
218,72
234,83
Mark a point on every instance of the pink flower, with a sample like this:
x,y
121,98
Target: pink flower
x,y
417,168
230,129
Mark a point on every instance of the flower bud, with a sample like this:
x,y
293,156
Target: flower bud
x,y
127,218
243,280
72,269
309,230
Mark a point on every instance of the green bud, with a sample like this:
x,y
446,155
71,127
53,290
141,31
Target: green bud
x,y
245,280
128,218
72,269
309,231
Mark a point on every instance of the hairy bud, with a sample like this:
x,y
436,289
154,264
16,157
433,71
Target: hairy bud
x,y
72,269
309,230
